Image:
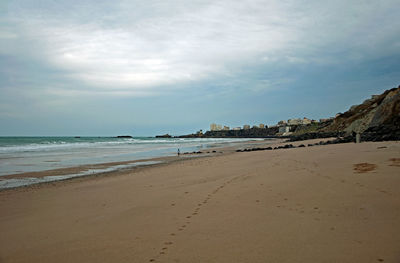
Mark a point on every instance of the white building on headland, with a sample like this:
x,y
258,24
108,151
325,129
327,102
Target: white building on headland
x,y
215,127
284,130
282,123
246,127
294,122
303,121
306,121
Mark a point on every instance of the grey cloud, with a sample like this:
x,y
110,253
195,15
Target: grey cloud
x,y
60,54
141,46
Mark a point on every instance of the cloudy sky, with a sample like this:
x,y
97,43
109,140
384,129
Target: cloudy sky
x,y
91,67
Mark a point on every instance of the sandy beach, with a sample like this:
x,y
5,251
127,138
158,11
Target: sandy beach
x,y
331,203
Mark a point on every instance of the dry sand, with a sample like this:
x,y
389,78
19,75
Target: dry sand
x,y
333,203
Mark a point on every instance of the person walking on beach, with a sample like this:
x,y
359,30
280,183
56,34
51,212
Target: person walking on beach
x,y
179,152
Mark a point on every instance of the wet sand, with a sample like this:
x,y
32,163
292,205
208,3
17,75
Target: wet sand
x,y
331,203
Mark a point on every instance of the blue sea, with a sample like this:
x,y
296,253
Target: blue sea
x,y
31,154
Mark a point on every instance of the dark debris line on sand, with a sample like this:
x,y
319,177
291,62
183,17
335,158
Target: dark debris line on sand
x,y
288,146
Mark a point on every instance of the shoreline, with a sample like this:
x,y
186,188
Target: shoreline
x,y
104,169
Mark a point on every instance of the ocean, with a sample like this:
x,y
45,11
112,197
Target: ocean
x,y
33,154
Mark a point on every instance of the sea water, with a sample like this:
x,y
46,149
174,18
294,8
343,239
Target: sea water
x,y
31,154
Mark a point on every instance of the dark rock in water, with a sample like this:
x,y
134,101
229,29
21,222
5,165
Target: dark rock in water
x,y
164,136
301,145
214,151
310,145
124,136
268,148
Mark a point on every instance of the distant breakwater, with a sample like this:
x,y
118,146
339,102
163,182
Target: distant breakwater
x,y
248,133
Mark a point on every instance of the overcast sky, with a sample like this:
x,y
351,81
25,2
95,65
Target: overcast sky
x,y
90,67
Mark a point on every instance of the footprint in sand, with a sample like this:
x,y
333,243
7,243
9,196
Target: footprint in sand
x,y
395,162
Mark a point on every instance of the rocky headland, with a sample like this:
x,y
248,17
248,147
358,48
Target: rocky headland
x,y
376,119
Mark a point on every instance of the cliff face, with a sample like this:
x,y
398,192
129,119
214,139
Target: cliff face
x,y
376,117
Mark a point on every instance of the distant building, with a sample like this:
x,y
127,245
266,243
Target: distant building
x,y
306,121
295,121
284,129
281,123
255,127
246,127
226,128
236,129
215,127
323,120
262,126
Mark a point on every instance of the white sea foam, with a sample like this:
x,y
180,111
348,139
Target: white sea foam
x,y
19,154
59,145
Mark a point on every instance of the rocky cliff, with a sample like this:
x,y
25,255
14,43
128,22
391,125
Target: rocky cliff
x,y
377,118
